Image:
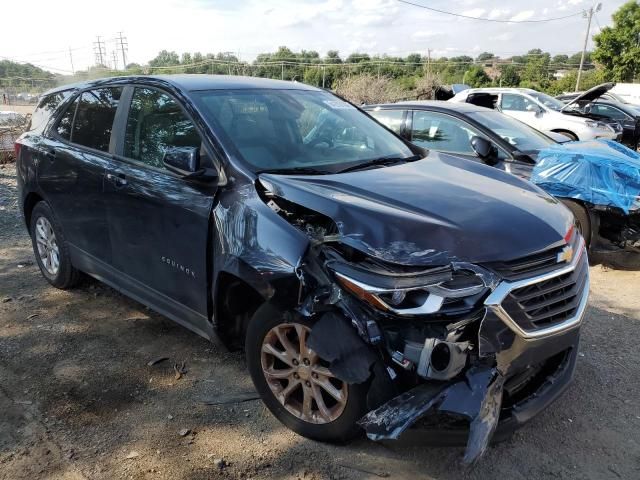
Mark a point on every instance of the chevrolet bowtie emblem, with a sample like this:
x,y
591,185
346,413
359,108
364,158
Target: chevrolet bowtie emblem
x,y
566,254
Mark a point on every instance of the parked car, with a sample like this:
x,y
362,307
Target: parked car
x,y
569,96
277,216
596,103
540,111
598,181
630,92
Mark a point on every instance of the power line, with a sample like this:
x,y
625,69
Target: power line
x,y
484,19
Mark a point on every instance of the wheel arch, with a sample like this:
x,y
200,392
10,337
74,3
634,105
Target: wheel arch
x,y
566,131
30,201
235,302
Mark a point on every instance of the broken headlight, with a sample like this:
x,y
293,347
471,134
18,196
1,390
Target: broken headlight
x,y
456,292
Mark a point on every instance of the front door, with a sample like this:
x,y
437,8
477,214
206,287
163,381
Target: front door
x,y
521,108
158,222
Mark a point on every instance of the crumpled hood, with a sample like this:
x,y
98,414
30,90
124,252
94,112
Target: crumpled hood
x,y
600,172
431,212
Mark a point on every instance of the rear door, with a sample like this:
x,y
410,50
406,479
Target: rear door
x,y
158,222
71,168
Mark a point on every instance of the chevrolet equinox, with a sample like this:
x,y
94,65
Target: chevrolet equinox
x,y
372,283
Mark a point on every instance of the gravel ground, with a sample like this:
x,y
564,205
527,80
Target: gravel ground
x,y
79,400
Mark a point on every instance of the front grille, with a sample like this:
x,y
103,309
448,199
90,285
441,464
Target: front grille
x,y
548,302
528,266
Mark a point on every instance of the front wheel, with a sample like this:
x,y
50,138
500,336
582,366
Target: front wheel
x,y
297,385
50,248
583,222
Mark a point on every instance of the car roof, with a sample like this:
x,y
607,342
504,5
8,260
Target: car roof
x,y
432,105
194,82
500,90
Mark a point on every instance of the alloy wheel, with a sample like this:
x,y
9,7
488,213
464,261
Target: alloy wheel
x,y
298,378
47,246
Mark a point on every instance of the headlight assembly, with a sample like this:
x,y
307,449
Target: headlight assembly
x,y
461,290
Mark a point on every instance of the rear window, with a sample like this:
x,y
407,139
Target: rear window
x,y
47,105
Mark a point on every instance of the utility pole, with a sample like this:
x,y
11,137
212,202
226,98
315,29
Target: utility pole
x,y
282,74
428,63
71,59
588,14
99,50
323,75
123,47
114,56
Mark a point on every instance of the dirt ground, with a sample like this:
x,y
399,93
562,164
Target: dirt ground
x,y
78,399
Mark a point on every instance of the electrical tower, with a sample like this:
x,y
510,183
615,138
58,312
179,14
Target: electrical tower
x,y
123,45
114,56
100,50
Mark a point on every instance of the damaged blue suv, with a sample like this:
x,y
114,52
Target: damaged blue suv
x,y
372,283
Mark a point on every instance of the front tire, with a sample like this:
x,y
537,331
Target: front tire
x,y
583,221
295,384
50,248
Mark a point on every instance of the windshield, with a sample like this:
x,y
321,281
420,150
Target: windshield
x,y
518,134
297,130
547,101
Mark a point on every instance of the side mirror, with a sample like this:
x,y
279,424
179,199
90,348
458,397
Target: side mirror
x,y
182,160
185,161
485,150
535,109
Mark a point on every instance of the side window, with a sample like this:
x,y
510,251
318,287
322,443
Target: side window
x,y
442,132
445,133
46,107
607,111
94,118
63,128
156,122
391,118
514,102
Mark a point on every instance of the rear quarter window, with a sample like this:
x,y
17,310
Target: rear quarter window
x,y
46,107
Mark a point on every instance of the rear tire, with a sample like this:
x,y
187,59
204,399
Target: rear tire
x,y
583,221
50,248
340,425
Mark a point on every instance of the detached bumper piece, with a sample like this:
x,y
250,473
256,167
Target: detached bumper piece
x,y
477,397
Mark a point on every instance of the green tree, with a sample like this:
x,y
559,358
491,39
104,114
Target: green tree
x,y
476,77
333,56
618,46
165,59
509,76
560,59
485,56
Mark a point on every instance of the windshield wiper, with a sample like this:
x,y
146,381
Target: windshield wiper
x,y
296,171
382,161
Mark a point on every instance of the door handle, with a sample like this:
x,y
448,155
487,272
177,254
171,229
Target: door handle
x,y
118,179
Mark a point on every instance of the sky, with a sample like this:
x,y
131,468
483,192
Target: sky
x,y
248,27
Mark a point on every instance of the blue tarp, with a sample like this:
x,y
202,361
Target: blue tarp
x,y
601,172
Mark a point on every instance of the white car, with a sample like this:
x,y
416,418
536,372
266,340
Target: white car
x,y
538,110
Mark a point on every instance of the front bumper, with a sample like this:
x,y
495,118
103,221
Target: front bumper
x,y
507,351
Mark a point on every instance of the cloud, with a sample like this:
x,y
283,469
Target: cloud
x,y
497,13
524,15
474,12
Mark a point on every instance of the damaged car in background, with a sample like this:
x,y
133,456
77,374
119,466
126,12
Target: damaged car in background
x,y
372,283
598,180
